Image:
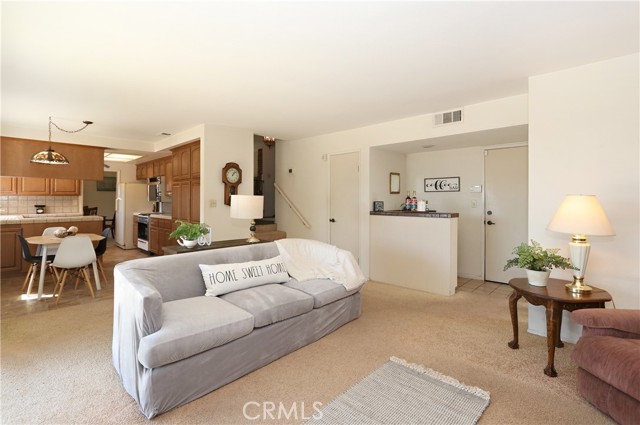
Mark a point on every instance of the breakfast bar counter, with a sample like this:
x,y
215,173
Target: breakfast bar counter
x,y
416,250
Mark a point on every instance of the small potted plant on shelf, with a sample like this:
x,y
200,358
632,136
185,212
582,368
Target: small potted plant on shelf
x,y
187,234
537,261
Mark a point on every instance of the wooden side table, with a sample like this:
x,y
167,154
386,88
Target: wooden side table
x,y
555,298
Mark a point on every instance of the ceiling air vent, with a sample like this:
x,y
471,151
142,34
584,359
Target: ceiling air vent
x,y
449,117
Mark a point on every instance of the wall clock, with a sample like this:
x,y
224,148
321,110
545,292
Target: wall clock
x,y
231,177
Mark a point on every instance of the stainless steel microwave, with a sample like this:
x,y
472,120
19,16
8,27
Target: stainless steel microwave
x,y
156,190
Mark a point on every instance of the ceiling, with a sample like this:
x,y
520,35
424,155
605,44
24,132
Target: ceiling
x,y
284,69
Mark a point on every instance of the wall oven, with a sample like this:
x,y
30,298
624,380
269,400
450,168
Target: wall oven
x,y
143,232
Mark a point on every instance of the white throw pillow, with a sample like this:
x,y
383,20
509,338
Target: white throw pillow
x,y
224,278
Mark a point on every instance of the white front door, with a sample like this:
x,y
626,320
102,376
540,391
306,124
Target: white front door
x,y
506,209
344,193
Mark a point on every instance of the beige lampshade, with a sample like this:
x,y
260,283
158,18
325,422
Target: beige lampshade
x,y
246,206
581,215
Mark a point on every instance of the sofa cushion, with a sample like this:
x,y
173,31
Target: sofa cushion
x,y
191,326
616,361
271,303
224,278
323,291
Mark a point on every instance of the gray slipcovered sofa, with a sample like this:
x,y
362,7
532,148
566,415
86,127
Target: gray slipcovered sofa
x,y
172,344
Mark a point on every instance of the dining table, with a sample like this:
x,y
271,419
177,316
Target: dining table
x,y
47,241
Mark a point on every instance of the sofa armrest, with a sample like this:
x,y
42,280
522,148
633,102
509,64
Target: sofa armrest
x,y
137,312
614,322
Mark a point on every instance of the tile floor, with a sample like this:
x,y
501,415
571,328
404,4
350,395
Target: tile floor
x,y
482,287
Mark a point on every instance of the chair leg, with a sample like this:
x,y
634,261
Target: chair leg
x,y
60,285
87,280
78,275
26,278
34,271
101,269
54,273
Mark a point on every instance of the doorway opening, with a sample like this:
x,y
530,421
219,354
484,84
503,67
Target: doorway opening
x,y
264,175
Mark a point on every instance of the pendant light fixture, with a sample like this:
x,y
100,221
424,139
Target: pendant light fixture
x,y
50,156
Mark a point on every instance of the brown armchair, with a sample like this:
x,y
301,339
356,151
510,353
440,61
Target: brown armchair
x,y
608,359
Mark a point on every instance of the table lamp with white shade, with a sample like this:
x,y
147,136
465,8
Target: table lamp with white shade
x,y
580,215
248,207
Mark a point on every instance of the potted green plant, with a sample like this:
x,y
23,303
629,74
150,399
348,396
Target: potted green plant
x,y
537,261
187,234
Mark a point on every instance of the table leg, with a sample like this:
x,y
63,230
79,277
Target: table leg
x,y
96,276
513,309
559,343
43,269
553,311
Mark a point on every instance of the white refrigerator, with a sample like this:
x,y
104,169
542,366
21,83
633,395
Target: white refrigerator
x,y
130,198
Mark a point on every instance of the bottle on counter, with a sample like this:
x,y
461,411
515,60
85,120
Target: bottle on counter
x,y
414,202
407,202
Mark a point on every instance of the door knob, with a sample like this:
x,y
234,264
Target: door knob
x,y
490,223
332,220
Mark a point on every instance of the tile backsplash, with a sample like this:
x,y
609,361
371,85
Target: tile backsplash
x,y
25,204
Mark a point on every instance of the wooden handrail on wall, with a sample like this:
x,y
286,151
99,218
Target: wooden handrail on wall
x,y
292,206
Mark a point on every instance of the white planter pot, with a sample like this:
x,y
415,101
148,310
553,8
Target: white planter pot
x,y
537,278
186,243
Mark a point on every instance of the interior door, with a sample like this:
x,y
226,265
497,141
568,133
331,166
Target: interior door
x,y
344,195
506,209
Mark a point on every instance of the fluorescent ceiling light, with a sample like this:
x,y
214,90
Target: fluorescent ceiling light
x,y
120,157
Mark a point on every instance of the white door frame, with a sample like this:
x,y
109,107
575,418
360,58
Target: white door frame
x,y
328,177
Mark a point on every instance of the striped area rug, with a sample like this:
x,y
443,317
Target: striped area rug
x,y
403,393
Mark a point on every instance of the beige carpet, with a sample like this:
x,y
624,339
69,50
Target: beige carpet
x,y
56,365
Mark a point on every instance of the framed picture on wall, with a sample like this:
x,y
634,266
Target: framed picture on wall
x,y
394,182
442,184
106,185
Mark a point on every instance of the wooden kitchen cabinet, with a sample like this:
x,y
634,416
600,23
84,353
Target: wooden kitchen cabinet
x,y
168,178
38,186
65,187
11,253
194,203
159,231
34,186
141,171
154,243
185,184
166,227
194,152
8,186
182,163
181,207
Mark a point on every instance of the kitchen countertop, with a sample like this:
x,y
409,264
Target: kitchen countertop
x,y
47,218
162,216
428,214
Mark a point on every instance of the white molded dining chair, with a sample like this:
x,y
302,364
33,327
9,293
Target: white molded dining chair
x,y
74,253
52,249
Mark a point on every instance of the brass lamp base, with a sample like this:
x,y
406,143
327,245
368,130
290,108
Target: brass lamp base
x,y
577,287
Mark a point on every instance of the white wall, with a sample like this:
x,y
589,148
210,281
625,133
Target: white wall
x,y
219,146
584,139
307,186
468,164
383,162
